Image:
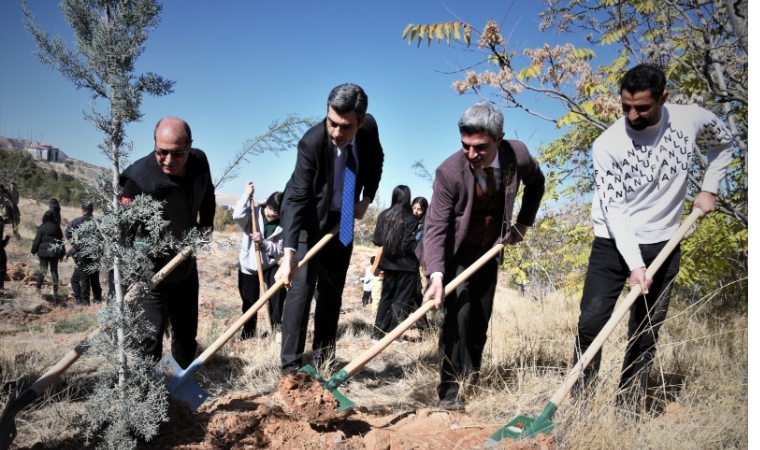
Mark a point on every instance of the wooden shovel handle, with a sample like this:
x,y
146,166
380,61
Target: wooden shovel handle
x,y
358,364
622,309
72,356
221,340
259,266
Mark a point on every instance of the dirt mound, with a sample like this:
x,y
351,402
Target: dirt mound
x,y
305,395
245,421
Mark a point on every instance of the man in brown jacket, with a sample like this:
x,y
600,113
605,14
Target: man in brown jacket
x,y
470,212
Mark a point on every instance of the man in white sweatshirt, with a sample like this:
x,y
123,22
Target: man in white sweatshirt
x,y
641,167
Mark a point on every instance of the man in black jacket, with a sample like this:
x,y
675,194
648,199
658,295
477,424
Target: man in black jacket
x,y
15,199
180,176
81,280
337,160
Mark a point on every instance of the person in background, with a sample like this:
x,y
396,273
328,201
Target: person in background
x,y
55,208
269,239
471,211
419,208
395,232
6,216
377,282
642,165
17,212
367,284
82,280
49,249
178,174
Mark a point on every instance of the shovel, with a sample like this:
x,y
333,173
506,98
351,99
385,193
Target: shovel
x,y
259,270
358,364
179,381
15,405
522,427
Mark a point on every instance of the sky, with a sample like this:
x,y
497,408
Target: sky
x,y
240,65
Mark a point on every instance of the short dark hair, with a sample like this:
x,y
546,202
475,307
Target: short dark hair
x,y
644,77
348,97
87,206
274,201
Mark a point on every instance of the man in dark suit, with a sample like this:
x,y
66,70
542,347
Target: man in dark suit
x,y
337,160
471,211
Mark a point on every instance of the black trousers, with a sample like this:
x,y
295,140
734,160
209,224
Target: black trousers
x,y
396,302
3,264
48,265
606,276
326,273
82,281
250,292
464,331
174,304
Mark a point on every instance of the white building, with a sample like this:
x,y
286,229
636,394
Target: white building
x,y
45,152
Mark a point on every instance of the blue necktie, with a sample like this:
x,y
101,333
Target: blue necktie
x,y
347,207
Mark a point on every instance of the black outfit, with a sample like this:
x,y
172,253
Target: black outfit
x,y
421,324
250,292
305,216
401,276
606,276
3,257
81,279
17,214
49,248
189,203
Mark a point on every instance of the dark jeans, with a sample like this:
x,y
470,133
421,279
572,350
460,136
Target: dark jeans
x,y
464,331
82,281
396,301
177,304
326,273
606,276
249,288
3,264
48,265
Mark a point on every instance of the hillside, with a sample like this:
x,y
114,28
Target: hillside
x,y
68,171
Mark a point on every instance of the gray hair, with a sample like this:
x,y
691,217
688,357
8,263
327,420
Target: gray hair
x,y
482,116
346,98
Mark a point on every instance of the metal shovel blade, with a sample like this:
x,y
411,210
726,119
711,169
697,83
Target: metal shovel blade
x,y
524,427
180,385
331,385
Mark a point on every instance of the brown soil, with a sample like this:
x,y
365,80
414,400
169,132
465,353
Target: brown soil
x,y
244,421
305,395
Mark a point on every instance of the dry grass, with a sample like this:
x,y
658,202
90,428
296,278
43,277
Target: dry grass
x,y
701,366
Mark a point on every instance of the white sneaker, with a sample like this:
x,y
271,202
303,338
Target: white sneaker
x,y
278,337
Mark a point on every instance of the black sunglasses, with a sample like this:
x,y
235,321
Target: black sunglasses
x,y
174,153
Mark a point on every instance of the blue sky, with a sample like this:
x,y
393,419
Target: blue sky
x,y
239,65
